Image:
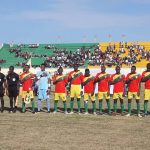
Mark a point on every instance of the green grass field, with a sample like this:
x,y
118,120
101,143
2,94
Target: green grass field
x,y
59,131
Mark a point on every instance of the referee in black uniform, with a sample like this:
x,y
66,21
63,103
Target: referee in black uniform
x,y
2,89
12,88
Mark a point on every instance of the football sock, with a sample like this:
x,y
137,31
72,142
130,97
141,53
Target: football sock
x,y
65,106
86,106
100,106
23,106
108,105
145,107
71,104
115,107
129,108
138,108
94,106
33,105
48,104
122,107
39,104
79,105
55,105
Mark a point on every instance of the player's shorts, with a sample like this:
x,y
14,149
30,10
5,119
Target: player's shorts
x,y
1,91
58,96
132,95
42,94
118,95
103,95
87,96
147,94
13,91
24,93
75,91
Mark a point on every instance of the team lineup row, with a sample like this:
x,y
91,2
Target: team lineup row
x,y
75,80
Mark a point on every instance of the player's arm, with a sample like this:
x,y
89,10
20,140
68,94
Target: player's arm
x,y
49,86
6,84
111,82
144,79
140,86
108,93
82,80
70,78
93,88
127,79
49,82
97,79
66,82
124,81
54,80
18,81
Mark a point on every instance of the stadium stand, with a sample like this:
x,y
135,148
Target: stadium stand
x,y
86,54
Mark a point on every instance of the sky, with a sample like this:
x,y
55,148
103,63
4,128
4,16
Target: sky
x,y
74,21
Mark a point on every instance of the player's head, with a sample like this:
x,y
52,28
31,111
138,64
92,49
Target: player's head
x,y
60,70
42,67
148,67
75,66
87,72
11,69
26,68
133,69
103,68
118,69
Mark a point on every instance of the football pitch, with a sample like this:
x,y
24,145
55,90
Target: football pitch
x,y
73,131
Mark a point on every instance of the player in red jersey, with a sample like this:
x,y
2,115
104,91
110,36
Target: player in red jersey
x,y
60,82
89,88
27,93
75,78
118,81
133,81
146,80
103,79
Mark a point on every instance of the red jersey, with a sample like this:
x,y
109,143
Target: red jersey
x,y
134,85
89,86
28,80
61,82
77,77
147,83
118,86
103,84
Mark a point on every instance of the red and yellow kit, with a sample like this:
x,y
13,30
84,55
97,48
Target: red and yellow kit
x,y
28,81
60,86
147,83
119,86
89,84
27,84
134,85
103,84
77,77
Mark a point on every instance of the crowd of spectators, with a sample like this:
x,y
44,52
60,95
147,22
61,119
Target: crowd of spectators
x,y
127,55
66,58
94,55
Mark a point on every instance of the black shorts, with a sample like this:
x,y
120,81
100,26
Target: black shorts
x,y
1,91
13,91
